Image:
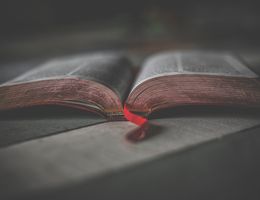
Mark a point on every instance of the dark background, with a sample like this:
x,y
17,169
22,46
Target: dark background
x,y
22,17
35,30
225,24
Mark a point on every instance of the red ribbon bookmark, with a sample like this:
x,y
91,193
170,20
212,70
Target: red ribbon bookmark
x,y
136,119
140,133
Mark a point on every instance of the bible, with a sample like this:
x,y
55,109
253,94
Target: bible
x,y
109,85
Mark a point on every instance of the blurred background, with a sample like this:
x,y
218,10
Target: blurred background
x,y
38,29
35,30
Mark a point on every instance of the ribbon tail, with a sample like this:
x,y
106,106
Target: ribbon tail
x,y
136,119
140,132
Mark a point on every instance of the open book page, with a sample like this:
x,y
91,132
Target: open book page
x,y
192,62
173,79
96,82
99,67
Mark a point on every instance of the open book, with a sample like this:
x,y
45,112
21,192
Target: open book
x,y
105,82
